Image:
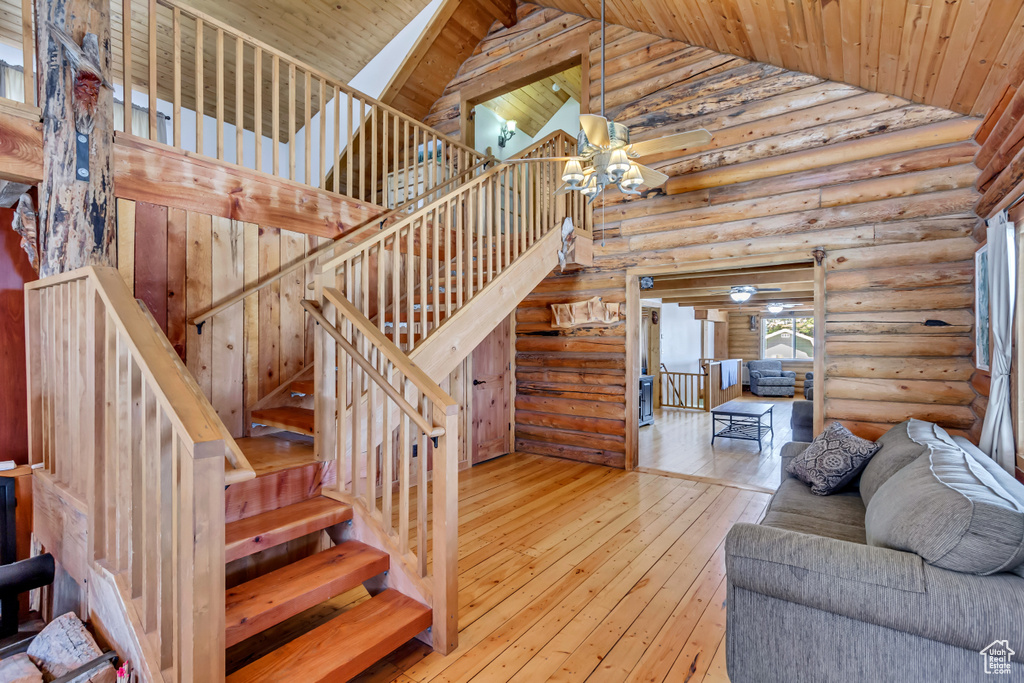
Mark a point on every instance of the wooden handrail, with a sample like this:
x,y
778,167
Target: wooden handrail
x,y
427,386
342,240
313,308
338,259
543,142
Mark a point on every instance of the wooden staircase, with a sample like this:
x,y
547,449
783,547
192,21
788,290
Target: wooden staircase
x,y
352,640
395,315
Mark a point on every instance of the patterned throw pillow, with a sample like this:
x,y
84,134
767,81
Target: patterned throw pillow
x,y
832,460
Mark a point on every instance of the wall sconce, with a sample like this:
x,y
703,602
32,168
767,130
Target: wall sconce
x,y
508,129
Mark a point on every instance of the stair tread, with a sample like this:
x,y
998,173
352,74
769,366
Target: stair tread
x,y
270,454
286,417
256,605
344,646
302,386
267,529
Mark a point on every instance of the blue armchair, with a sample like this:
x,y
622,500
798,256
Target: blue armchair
x,y
767,378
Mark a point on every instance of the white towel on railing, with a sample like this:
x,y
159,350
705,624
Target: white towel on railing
x,y
730,370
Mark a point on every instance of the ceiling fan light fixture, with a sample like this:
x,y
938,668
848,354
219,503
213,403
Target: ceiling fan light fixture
x,y
739,295
775,308
632,178
619,163
573,173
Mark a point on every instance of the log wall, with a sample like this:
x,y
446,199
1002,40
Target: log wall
x,y
885,186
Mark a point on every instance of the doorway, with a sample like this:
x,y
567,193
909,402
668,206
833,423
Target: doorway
x,y
698,327
492,395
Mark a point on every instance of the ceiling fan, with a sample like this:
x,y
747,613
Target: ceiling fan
x,y
776,307
742,293
605,155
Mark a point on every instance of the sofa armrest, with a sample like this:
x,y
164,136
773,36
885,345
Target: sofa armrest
x,y
755,374
880,586
789,373
789,451
809,375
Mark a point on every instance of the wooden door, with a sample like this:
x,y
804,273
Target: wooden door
x,y
491,395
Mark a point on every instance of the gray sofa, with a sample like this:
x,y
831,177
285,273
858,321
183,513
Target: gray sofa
x,y
767,378
901,577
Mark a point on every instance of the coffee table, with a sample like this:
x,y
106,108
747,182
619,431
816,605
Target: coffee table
x,y
742,420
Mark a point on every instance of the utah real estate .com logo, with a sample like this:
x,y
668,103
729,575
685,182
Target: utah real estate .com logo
x,y
997,657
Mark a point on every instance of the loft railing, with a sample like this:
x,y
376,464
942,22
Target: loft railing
x,y
117,424
267,111
683,390
391,424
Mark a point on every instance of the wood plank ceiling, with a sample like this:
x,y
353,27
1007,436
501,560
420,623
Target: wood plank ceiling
x,y
337,38
340,38
533,105
955,54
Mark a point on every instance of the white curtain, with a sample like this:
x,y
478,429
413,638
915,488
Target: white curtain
x,y
997,431
12,82
140,121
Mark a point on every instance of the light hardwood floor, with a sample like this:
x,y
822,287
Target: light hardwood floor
x,y
679,442
575,572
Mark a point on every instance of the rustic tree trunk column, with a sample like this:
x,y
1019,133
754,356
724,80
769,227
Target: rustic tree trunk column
x,y
76,210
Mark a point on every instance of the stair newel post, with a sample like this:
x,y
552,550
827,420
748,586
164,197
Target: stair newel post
x,y
445,632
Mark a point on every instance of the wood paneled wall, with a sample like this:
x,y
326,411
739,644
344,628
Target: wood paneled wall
x,y
798,162
180,263
15,271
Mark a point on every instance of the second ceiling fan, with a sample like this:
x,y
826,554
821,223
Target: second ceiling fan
x,y
605,156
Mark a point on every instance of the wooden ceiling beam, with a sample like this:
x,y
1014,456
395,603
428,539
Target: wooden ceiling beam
x,y
714,282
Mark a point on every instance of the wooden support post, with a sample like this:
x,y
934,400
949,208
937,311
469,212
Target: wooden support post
x,y
76,215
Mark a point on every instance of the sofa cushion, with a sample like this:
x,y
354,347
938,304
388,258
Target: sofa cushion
x,y
852,531
900,446
776,381
833,459
952,511
795,508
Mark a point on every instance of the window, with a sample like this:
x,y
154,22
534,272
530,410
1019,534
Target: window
x,y
791,338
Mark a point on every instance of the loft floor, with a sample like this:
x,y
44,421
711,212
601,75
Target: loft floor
x,y
574,572
679,443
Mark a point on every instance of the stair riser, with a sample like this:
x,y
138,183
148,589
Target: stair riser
x,y
247,545
277,490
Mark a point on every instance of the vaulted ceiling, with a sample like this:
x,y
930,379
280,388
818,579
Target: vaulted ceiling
x,y
340,38
955,54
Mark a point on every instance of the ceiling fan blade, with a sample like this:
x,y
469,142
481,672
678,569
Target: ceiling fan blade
x,y
563,189
692,138
769,289
596,129
651,177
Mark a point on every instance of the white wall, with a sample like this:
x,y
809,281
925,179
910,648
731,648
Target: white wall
x,y
487,125
680,338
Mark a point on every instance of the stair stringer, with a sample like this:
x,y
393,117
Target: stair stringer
x,y
367,527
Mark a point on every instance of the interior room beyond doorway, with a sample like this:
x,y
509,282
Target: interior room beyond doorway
x,y
698,329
